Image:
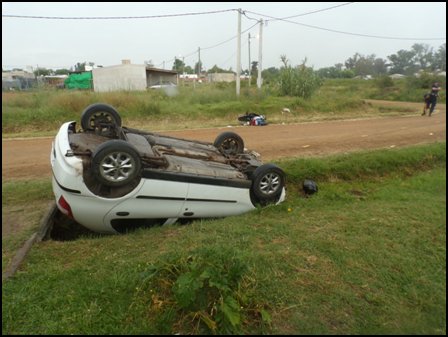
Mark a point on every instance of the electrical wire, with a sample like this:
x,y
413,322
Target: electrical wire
x,y
348,33
112,17
211,47
303,14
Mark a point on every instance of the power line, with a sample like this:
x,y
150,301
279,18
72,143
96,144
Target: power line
x,y
210,47
349,33
303,14
316,11
228,40
112,17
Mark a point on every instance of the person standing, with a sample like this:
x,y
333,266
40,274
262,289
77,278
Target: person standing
x,y
431,104
427,99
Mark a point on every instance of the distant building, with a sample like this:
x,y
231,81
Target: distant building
x,y
56,81
191,77
130,77
18,80
221,77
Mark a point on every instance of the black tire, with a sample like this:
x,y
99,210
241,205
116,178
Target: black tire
x,y
229,143
99,114
116,163
268,181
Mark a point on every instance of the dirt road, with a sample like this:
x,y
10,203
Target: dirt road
x,y
27,158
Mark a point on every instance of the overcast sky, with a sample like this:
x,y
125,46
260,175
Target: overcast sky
x,y
60,43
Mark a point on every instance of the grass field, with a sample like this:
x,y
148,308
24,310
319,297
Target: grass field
x,y
365,255
40,113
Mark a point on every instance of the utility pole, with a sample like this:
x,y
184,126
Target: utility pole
x,y
238,55
249,60
199,62
260,43
183,70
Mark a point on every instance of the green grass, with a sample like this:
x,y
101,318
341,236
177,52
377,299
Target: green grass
x,y
40,113
365,255
24,203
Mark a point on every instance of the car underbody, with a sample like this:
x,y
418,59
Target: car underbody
x,y
164,154
109,177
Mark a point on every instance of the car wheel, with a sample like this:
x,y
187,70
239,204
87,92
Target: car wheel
x,y
229,143
268,181
116,163
99,115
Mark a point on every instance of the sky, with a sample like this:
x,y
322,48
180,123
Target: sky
x,y
322,33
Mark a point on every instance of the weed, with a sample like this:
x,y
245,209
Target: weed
x,y
207,291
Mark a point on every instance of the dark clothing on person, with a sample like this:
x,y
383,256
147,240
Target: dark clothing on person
x,y
431,99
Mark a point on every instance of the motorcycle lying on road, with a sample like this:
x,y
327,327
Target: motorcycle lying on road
x,y
252,118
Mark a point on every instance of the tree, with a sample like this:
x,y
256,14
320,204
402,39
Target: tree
x,y
270,74
188,70
216,69
440,58
423,56
254,69
80,66
366,65
178,65
198,67
62,72
350,63
402,62
379,66
42,72
335,72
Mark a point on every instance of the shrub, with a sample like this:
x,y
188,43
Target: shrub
x,y
300,81
206,291
383,82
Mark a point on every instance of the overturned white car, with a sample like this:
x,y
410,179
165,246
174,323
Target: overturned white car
x,y
110,178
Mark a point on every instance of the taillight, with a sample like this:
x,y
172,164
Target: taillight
x,y
65,207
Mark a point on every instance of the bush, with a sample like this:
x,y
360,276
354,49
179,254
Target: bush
x,y
425,81
205,292
300,81
383,82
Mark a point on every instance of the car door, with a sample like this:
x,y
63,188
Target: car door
x,y
157,199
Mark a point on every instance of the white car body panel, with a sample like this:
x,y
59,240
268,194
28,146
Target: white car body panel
x,y
156,199
217,201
